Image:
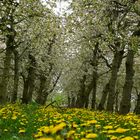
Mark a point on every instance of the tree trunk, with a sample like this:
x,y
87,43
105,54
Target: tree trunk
x,y
137,108
94,89
40,96
126,95
25,91
46,79
73,101
104,97
93,84
81,94
69,101
116,101
5,76
118,56
10,32
16,77
87,93
31,77
29,81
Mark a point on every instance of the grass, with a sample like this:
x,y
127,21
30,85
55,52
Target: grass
x,y
32,122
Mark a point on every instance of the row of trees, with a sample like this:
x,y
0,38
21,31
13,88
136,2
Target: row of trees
x,y
89,54
107,36
29,33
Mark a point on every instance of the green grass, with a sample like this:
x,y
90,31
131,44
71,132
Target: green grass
x,y
30,122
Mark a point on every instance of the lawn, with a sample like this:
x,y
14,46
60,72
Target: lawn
x,y
33,122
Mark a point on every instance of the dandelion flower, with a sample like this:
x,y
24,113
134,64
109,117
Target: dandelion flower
x,y
121,130
91,135
127,138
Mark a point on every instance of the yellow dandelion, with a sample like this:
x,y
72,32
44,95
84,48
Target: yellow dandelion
x,y
82,133
46,129
5,130
111,131
127,138
71,132
58,137
113,138
84,139
134,129
91,135
74,125
136,137
21,131
22,123
44,138
121,130
91,122
39,134
58,127
97,126
108,127
14,117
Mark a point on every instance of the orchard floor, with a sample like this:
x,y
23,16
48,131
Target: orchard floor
x,y
32,122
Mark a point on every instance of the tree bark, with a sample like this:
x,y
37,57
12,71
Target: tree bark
x,y
127,89
87,93
40,97
93,84
94,89
25,91
81,95
10,32
16,76
31,77
117,60
116,101
29,81
73,102
137,108
5,75
109,89
104,97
